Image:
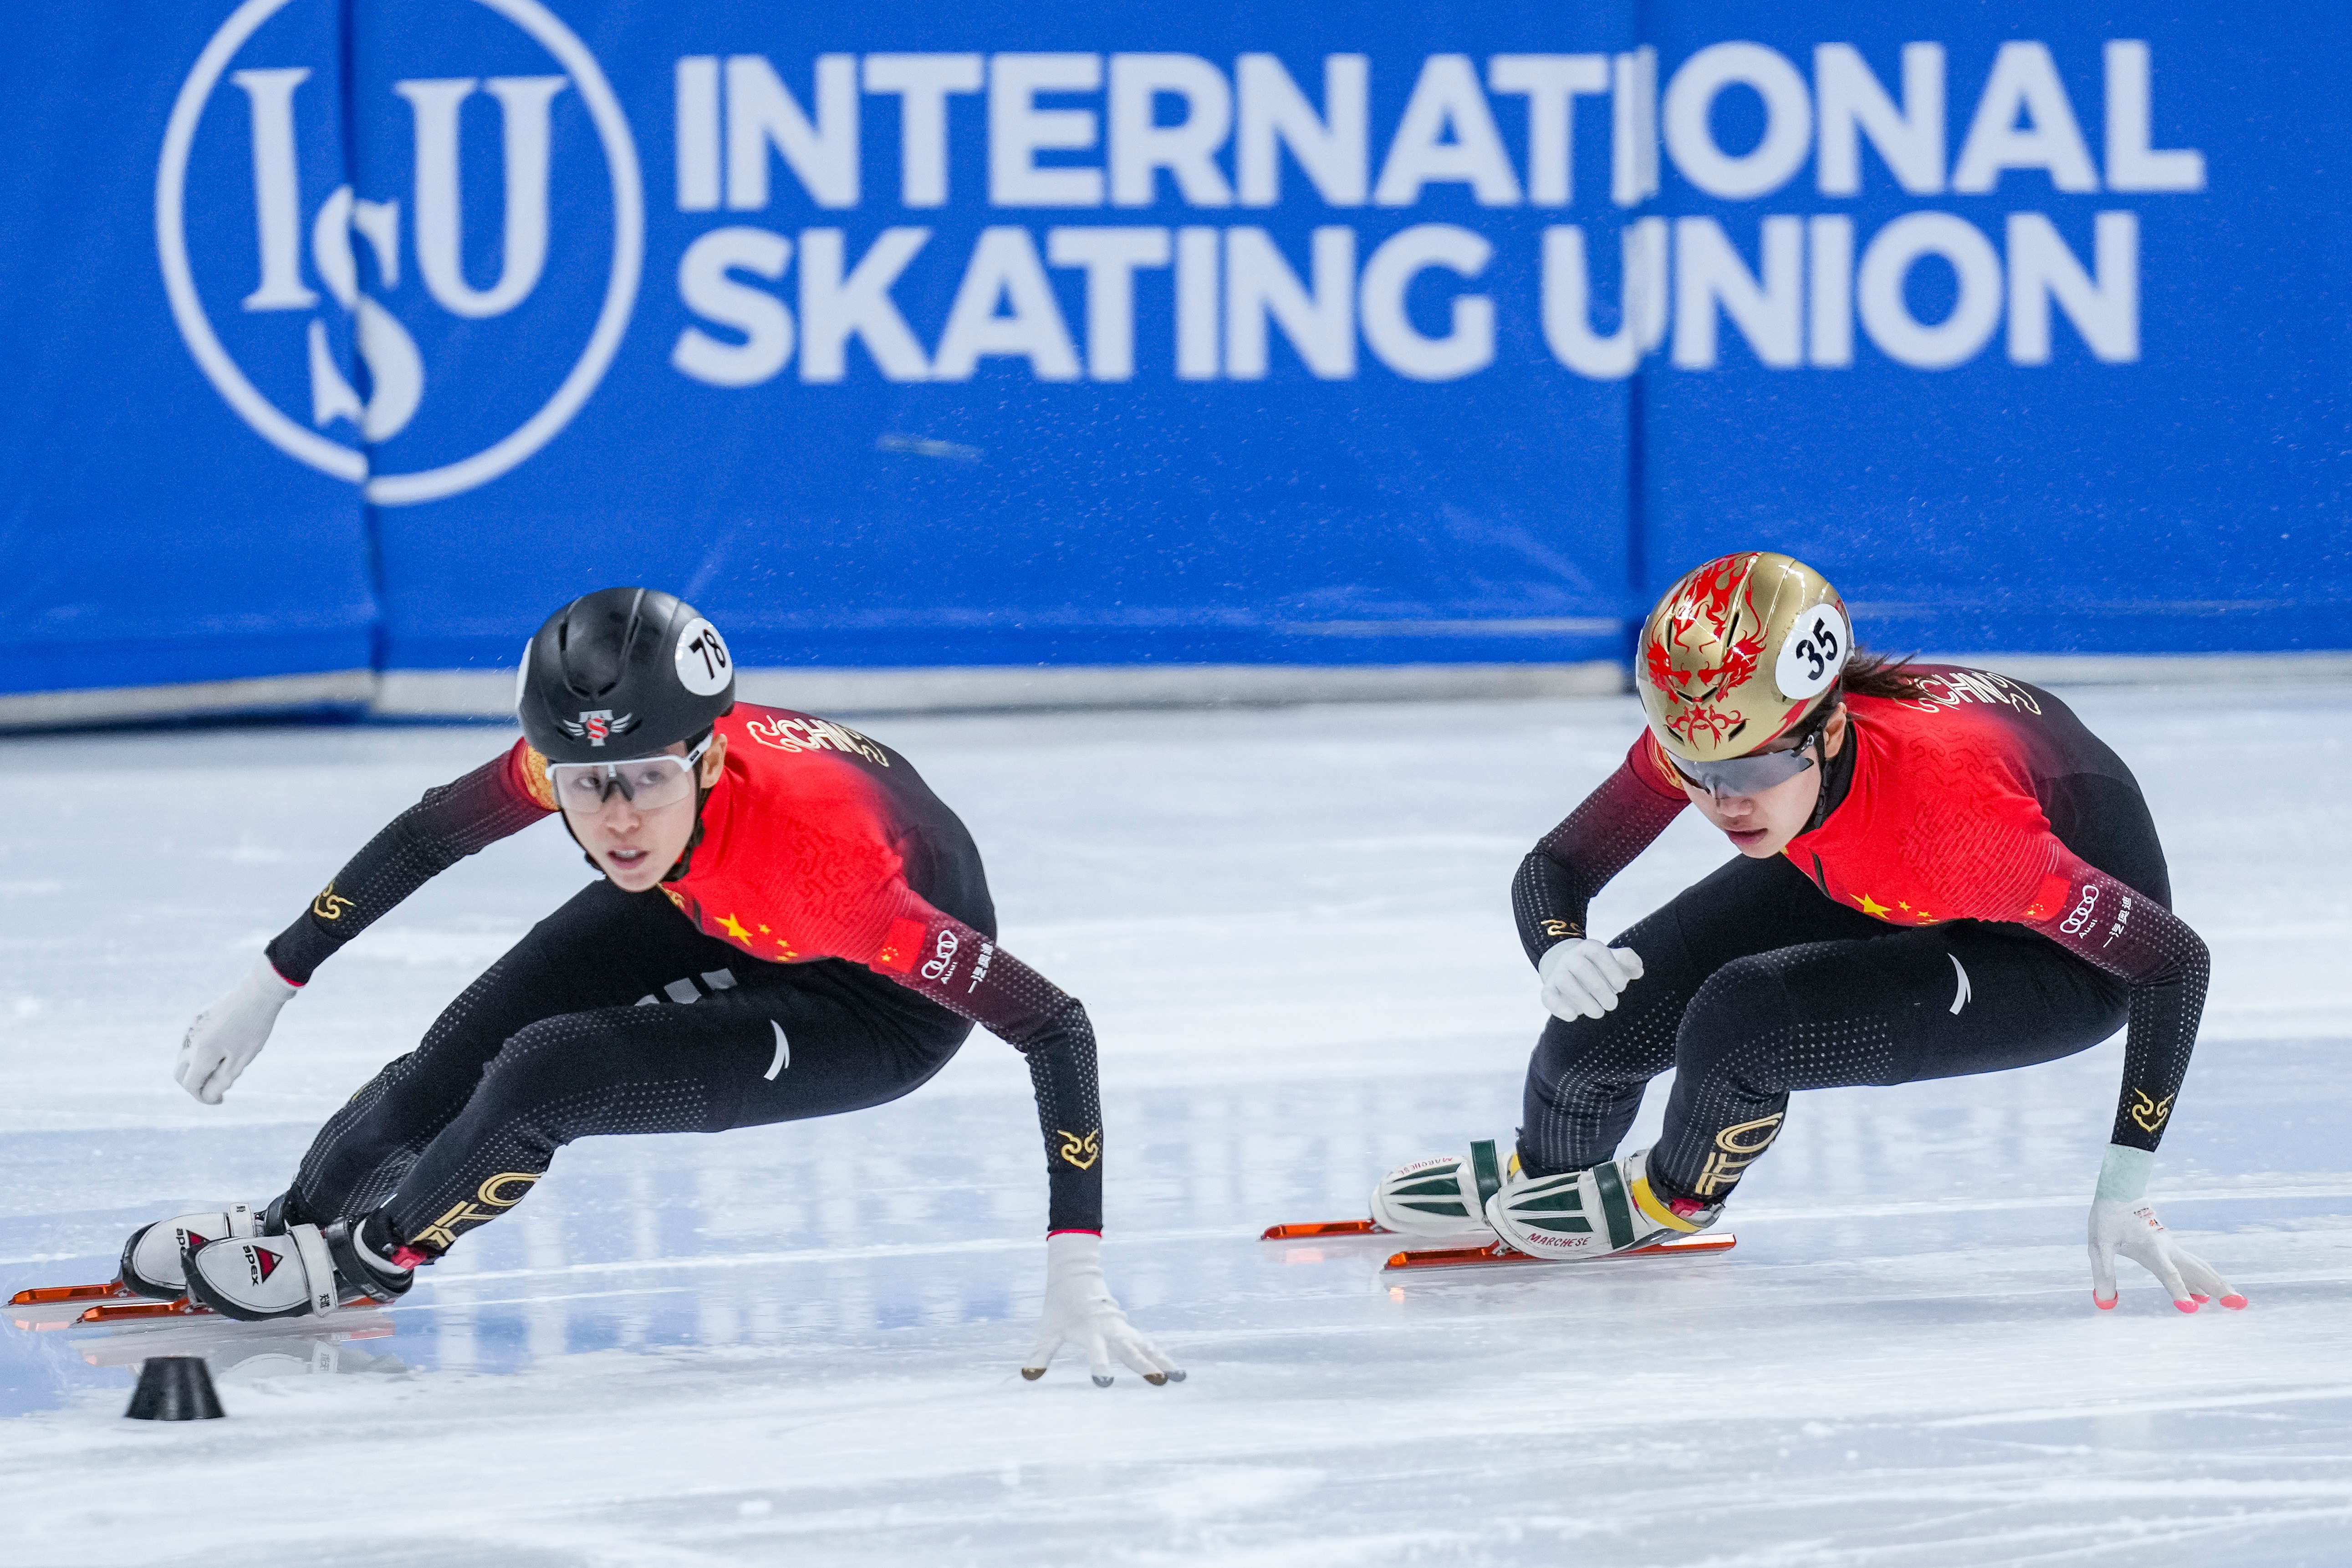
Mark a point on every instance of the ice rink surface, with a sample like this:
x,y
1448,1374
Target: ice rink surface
x,y
799,1344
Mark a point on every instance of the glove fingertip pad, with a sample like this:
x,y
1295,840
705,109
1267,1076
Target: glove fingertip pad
x,y
1101,1382
1033,1373
2235,1302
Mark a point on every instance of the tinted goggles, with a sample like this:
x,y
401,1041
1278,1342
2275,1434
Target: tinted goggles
x,y
1750,774
648,783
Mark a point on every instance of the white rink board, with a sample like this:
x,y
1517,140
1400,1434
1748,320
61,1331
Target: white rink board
x,y
798,1343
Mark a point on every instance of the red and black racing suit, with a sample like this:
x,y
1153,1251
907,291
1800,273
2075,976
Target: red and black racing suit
x,y
827,948
1982,889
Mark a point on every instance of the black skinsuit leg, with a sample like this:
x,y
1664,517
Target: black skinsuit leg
x,y
612,1015
1755,984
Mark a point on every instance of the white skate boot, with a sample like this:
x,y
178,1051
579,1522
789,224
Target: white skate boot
x,y
151,1259
1442,1197
1593,1213
307,1272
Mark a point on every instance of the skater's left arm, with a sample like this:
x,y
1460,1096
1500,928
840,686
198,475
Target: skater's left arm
x,y
2133,937
940,957
2153,952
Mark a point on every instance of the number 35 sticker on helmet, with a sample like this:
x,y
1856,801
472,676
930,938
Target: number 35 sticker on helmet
x,y
1812,653
703,667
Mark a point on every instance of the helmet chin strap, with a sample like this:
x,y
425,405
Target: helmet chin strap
x,y
701,799
1834,778
693,841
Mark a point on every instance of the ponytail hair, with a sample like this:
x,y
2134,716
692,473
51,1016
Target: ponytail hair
x,y
1869,674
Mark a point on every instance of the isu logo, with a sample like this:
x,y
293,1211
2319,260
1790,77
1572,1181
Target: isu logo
x,y
301,285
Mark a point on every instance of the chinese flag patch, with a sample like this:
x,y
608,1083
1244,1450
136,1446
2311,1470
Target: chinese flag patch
x,y
899,948
2048,899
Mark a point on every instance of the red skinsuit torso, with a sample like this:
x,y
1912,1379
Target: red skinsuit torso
x,y
1983,798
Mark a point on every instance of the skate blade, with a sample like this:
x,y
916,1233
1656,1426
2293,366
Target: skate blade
x,y
140,1312
1499,1253
48,1295
1318,1232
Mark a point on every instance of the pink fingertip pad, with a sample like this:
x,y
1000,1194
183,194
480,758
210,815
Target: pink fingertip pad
x,y
2235,1302
2186,1306
2198,1297
2103,1303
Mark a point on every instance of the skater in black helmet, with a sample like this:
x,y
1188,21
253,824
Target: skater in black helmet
x,y
1940,872
787,924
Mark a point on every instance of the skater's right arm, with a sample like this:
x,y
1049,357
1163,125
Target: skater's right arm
x,y
1558,878
452,821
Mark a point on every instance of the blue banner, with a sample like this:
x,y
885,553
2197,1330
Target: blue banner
x,y
364,333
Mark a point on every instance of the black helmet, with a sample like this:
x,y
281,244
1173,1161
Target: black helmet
x,y
622,672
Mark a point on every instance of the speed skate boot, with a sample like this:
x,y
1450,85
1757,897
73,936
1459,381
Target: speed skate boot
x,y
151,1259
1442,1197
306,1272
1609,1208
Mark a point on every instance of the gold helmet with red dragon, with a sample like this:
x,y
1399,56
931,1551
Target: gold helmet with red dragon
x,y
1741,653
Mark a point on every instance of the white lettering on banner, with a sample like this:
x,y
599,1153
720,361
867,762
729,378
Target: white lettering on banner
x,y
348,385
1642,310
1551,84
1909,138
835,309
1634,127
2105,312
2132,164
766,326
1261,288
1708,273
277,198
1331,147
1196,304
395,369
2025,80
761,114
1005,271
923,84
523,103
1018,130
1468,345
1788,119
1111,258
696,84
1447,136
1140,147
1886,315
1828,294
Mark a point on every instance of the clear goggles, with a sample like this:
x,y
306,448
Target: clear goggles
x,y
1750,774
647,783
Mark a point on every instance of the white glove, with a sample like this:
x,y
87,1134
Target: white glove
x,y
1580,978
230,1033
1080,1311
2124,1221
